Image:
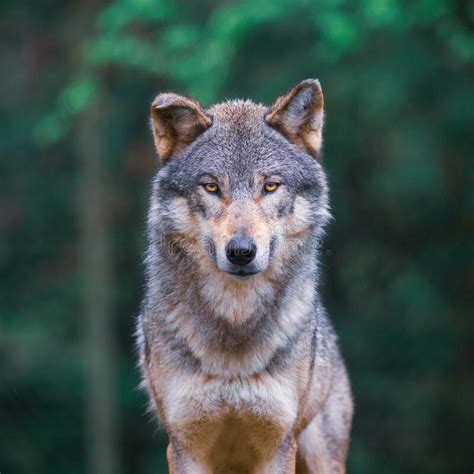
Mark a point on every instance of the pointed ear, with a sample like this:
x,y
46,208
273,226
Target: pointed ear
x,y
176,122
298,115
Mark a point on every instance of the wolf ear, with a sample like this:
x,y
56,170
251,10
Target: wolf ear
x,y
176,122
298,115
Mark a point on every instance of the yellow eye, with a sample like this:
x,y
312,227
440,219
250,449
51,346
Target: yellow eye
x,y
211,188
270,187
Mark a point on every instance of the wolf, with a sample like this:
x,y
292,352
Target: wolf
x,y
236,352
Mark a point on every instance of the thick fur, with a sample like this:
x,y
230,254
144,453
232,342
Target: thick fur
x,y
244,373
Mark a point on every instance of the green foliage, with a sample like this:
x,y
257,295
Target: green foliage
x,y
398,82
158,37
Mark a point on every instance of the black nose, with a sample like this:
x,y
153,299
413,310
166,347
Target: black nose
x,y
241,250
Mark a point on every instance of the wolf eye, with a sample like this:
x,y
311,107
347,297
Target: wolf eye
x,y
270,187
211,188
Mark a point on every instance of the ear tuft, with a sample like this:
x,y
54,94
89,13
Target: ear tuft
x,y
298,115
176,122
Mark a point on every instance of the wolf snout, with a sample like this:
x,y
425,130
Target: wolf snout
x,y
241,250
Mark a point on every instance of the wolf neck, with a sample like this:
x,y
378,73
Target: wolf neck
x,y
235,328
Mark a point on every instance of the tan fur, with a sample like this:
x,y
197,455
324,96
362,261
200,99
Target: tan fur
x,y
257,410
176,121
303,130
256,413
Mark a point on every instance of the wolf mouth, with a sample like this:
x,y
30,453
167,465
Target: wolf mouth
x,y
243,273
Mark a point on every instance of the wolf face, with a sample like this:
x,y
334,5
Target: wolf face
x,y
241,189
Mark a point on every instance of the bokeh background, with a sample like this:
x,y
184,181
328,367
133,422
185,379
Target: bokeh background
x,y
76,160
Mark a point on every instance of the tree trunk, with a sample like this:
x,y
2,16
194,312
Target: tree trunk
x,y
97,294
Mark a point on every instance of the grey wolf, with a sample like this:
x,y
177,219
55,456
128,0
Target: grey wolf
x,y
237,354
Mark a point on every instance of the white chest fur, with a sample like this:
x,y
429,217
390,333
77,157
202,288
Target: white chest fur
x,y
200,397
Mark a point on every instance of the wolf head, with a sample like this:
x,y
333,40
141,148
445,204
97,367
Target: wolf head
x,y
240,189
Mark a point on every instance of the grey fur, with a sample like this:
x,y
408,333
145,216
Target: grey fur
x,y
182,329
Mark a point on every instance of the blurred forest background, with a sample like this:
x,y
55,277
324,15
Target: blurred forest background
x,y
76,159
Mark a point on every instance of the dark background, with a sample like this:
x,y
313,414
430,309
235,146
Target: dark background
x,y
76,158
